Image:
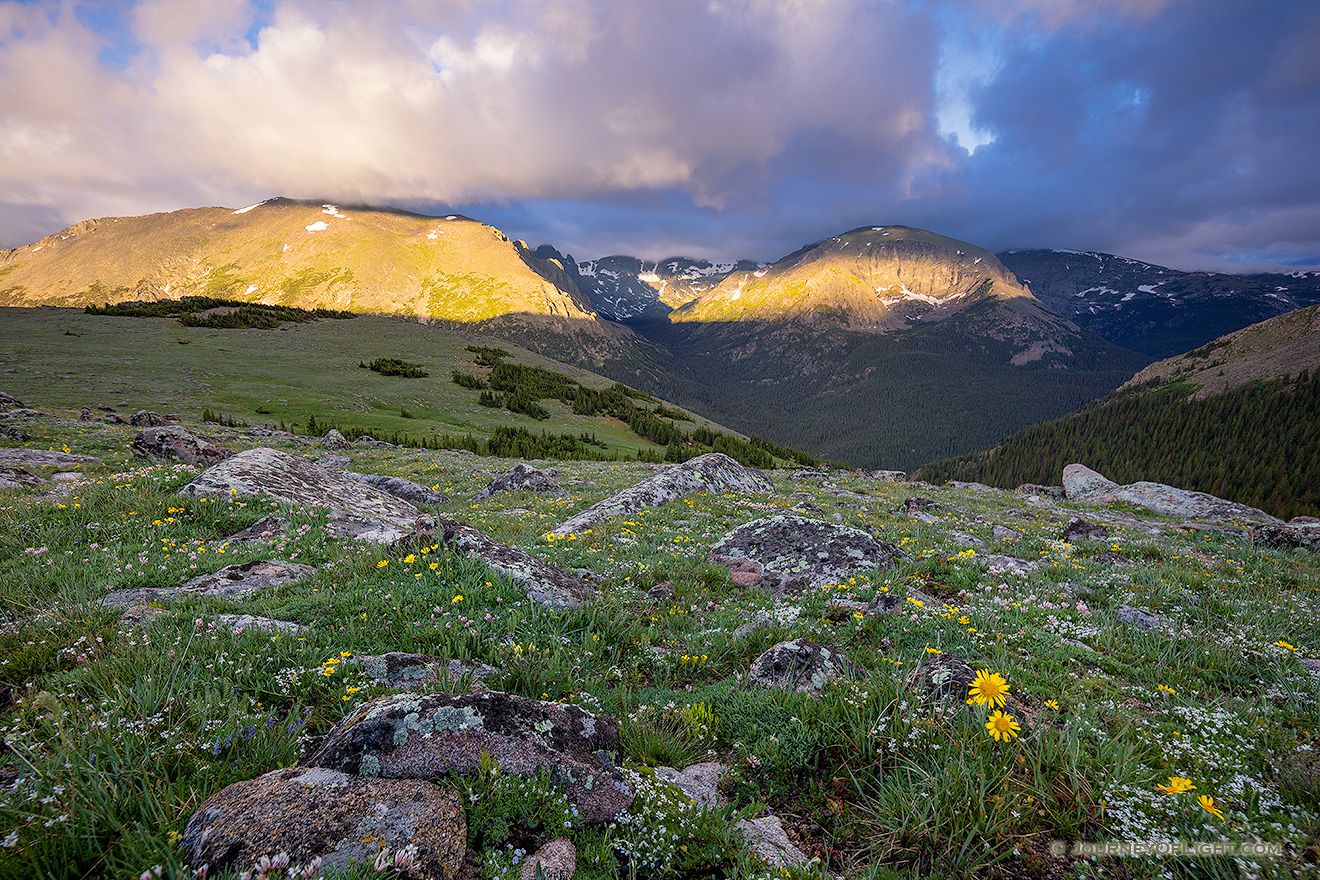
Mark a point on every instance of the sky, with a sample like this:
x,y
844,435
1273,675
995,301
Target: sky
x,y
1181,132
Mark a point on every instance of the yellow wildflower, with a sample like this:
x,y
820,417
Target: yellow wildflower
x,y
988,688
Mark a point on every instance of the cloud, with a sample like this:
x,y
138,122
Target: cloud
x,y
1179,127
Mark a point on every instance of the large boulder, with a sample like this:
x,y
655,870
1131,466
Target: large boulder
x,y
9,401
712,472
413,493
545,584
357,510
17,477
428,736
228,582
1081,484
311,812
1288,537
148,419
520,478
795,552
175,441
18,457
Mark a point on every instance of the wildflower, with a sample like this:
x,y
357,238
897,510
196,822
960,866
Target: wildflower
x,y
988,688
1165,689
456,599
1178,785
1002,726
1052,704
1208,804
382,563
1282,644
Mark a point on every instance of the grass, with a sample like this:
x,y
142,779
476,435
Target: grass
x,y
114,736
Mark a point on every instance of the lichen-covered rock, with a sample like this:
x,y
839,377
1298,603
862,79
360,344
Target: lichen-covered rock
x,y
9,401
17,478
1289,537
312,812
1056,492
414,672
1085,485
554,860
413,493
712,472
335,440
520,478
335,462
175,441
237,623
1142,619
230,581
943,675
765,837
267,528
428,736
700,782
19,457
147,419
357,509
802,666
9,432
1004,533
545,584
1082,484
1080,529
795,552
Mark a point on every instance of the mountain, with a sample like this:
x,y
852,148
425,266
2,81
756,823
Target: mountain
x,y
296,253
884,347
1154,309
1238,417
623,288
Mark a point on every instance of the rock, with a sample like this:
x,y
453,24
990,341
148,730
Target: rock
x,y
86,415
1085,485
335,440
9,432
976,487
555,860
17,478
230,581
357,510
147,419
661,591
1081,529
919,503
943,676
700,782
1056,492
1142,619
765,837
237,623
1004,533
373,443
891,476
1082,484
140,615
795,552
25,415
414,672
545,584
178,442
267,528
335,462
19,458
413,493
998,562
520,478
712,472
1109,557
1287,537
802,666
9,402
67,477
967,540
428,736
312,812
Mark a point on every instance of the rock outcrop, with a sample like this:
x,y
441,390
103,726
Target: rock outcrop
x,y
356,509
43,458
413,493
175,441
712,472
802,666
148,419
228,582
545,584
427,737
520,478
311,812
795,552
1081,484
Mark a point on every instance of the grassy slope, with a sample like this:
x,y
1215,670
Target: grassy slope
x,y
294,372
115,736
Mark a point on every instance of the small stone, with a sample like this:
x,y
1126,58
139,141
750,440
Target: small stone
x,y
801,666
661,591
1004,533
1082,529
335,440
556,859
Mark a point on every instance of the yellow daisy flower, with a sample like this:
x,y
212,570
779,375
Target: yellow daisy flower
x,y
1002,726
988,688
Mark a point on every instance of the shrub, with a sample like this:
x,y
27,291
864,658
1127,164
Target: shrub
x,y
396,367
